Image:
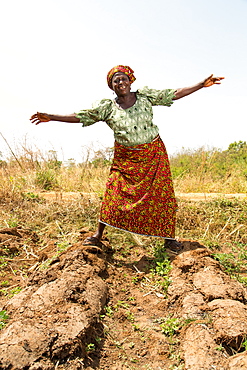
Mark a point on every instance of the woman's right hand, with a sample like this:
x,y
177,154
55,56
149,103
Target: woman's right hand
x,y
40,117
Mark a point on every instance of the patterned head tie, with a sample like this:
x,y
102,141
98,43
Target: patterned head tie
x,y
124,69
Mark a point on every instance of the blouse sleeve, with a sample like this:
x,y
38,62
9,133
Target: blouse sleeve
x,y
99,112
158,97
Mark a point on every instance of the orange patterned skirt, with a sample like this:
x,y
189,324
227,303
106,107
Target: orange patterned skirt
x,y
139,195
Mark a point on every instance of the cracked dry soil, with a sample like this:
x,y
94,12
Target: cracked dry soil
x,y
92,310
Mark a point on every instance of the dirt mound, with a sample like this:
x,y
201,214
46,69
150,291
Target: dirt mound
x,y
216,305
54,317
90,310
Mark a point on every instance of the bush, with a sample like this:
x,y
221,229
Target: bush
x,y
46,179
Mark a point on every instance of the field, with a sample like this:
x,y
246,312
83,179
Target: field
x,y
134,305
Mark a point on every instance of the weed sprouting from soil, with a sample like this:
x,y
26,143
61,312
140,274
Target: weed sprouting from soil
x,y
3,318
235,262
162,265
170,326
244,345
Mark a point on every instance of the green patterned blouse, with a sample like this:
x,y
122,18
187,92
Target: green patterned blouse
x,y
134,125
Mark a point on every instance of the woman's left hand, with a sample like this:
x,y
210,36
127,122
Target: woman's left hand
x,y
212,81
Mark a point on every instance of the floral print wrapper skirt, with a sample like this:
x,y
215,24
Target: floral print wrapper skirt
x,y
139,195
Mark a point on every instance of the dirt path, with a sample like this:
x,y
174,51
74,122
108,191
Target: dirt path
x,y
209,196
65,196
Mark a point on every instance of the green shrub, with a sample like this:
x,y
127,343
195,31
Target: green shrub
x,y
46,179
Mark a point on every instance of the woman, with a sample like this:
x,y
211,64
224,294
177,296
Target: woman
x,y
139,195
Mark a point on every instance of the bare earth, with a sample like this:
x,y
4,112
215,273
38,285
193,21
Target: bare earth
x,y
209,196
92,310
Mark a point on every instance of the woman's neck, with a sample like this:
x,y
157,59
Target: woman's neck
x,y
126,101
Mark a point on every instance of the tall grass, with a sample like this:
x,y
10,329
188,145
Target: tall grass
x,y
212,170
45,173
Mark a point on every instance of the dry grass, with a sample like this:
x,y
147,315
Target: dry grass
x,y
87,179
192,183
213,223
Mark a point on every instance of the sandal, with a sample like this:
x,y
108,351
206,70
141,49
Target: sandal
x,y
91,240
173,245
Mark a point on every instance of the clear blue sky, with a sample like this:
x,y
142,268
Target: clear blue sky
x,y
55,55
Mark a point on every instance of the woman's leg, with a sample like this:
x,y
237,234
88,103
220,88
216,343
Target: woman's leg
x,y
96,237
99,232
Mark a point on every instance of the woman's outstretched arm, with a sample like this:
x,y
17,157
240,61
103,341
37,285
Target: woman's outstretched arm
x,y
45,117
209,81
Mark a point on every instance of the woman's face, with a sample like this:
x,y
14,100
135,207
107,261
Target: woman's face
x,y
121,84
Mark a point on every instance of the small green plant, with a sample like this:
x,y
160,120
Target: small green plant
x,y
134,360
136,327
242,280
220,348
229,261
3,262
171,326
62,246
3,292
3,318
162,266
244,344
135,280
14,291
12,221
234,263
130,316
46,179
31,196
109,311
4,283
90,347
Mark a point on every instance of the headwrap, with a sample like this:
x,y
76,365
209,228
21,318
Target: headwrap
x,y
124,69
